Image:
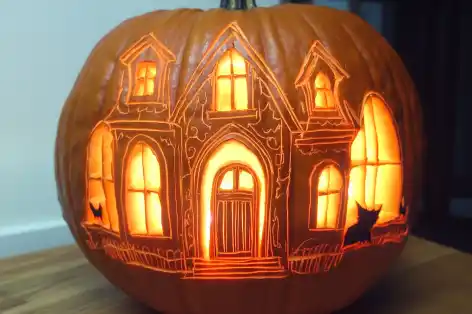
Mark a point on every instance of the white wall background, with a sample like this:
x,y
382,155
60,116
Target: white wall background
x,y
43,45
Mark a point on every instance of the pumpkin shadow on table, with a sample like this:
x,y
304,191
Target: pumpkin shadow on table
x,y
389,296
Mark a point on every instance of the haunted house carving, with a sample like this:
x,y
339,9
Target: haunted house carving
x,y
199,183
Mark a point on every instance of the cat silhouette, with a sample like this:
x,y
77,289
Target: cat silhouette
x,y
97,212
361,231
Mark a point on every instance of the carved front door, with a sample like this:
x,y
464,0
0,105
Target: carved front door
x,y
234,221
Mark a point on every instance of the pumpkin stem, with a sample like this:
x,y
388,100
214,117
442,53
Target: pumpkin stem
x,y
238,4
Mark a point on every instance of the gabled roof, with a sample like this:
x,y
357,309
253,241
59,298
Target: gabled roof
x,y
148,40
317,50
234,32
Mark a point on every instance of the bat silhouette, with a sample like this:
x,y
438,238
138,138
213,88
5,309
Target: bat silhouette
x,y
97,212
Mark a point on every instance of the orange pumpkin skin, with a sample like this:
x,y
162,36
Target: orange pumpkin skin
x,y
279,45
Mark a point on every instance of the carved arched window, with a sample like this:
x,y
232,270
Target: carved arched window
x,y
231,82
328,199
143,192
101,200
324,98
376,173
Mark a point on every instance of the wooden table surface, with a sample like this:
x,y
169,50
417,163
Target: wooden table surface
x,y
429,278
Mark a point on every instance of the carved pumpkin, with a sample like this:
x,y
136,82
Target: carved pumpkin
x,y
256,161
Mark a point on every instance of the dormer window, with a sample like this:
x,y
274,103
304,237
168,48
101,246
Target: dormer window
x,y
231,82
324,98
145,82
146,79
318,82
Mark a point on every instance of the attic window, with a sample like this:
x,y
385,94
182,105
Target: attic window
x,y
323,92
231,82
145,83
